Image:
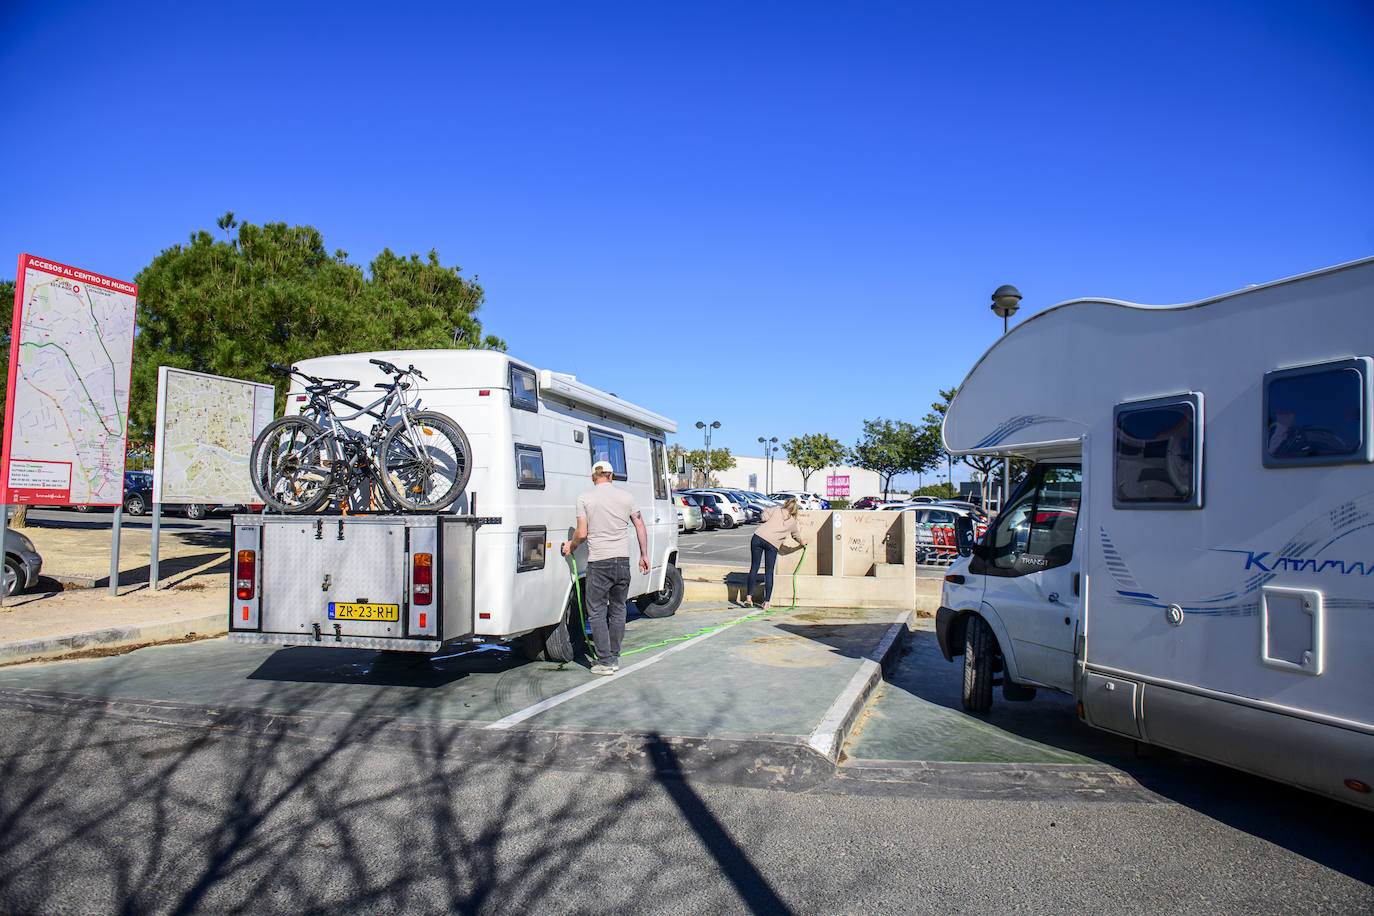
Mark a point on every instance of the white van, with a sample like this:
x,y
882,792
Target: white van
x,y
487,569
1192,555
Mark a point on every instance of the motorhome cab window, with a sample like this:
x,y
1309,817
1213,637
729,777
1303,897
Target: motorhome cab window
x,y
659,456
523,392
1158,462
1036,532
532,543
1318,414
608,447
529,467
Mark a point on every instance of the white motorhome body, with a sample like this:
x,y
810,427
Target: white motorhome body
x,y
494,556
1193,555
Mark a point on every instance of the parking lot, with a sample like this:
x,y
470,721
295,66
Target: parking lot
x,y
762,763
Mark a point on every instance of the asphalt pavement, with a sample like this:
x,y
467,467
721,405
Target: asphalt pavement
x,y
707,776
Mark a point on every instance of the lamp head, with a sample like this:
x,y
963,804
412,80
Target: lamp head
x,y
1005,300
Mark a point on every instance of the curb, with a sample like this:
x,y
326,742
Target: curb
x,y
830,735
47,647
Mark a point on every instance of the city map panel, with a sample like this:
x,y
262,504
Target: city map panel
x,y
67,415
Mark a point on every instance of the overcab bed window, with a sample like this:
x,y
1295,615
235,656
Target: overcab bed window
x,y
1318,414
1158,455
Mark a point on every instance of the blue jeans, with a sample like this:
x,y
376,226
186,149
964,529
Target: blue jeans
x,y
759,548
608,582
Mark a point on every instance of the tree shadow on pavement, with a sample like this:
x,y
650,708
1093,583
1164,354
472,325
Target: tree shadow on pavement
x,y
112,803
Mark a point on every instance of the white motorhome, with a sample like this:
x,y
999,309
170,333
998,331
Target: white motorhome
x,y
1192,555
488,568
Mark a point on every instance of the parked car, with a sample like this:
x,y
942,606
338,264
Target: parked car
x,y
961,504
730,512
763,503
943,514
753,512
138,498
804,500
711,518
867,502
22,562
688,512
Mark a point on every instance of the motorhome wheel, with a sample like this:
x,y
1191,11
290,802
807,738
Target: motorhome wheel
x,y
553,643
978,662
664,602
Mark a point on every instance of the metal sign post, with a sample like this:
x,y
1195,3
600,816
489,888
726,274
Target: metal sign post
x,y
114,549
152,561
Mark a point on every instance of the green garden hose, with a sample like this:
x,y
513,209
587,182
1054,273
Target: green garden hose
x,y
591,652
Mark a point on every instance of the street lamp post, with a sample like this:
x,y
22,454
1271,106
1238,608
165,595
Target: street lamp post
x,y
706,471
769,448
1005,301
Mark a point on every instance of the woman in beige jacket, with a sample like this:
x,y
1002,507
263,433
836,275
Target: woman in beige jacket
x,y
778,523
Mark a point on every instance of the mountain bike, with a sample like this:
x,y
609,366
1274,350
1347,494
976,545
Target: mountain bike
x,y
410,459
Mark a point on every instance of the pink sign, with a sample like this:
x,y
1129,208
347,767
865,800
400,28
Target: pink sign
x,y
837,485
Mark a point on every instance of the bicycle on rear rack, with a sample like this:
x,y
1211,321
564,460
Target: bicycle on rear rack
x,y
409,459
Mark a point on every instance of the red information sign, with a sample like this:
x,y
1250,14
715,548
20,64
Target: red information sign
x,y
67,406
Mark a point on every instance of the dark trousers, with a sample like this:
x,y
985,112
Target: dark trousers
x,y
758,547
608,582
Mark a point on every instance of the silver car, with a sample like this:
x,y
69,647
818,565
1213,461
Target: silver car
x,y
22,562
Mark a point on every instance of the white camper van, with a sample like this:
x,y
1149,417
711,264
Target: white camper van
x,y
1192,555
488,568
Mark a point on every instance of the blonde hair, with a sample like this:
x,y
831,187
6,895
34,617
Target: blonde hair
x,y
790,507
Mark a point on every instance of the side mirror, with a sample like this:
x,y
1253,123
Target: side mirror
x,y
963,535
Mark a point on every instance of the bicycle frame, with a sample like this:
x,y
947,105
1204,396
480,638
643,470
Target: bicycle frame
x,y
340,436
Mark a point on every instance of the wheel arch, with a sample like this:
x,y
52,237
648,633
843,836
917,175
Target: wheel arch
x,y
1004,641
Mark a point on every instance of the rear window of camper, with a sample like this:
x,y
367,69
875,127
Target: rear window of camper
x,y
1158,461
608,447
1317,414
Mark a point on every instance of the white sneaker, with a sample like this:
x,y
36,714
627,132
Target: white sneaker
x,y
604,669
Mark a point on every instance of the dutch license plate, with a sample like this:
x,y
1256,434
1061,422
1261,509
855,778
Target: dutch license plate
x,y
353,611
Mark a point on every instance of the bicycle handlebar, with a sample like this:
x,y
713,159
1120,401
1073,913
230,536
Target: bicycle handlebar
x,y
391,369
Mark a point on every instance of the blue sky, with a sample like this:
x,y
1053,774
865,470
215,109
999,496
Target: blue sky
x,y
784,216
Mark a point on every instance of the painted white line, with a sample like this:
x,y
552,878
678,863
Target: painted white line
x,y
516,718
829,734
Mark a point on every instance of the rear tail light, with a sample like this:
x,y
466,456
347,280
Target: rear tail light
x,y
245,574
422,578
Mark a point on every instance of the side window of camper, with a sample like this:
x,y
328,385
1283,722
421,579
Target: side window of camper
x,y
1318,414
524,393
608,447
1158,455
659,455
529,467
1036,532
532,548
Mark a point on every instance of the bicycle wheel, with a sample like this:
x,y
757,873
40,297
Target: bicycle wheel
x,y
425,466
291,467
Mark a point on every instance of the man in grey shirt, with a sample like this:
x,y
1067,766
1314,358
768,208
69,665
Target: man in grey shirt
x,y
604,514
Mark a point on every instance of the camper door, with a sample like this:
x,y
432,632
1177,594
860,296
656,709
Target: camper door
x,y
1030,569
661,520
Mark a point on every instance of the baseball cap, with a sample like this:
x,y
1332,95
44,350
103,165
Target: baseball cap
x,y
603,467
